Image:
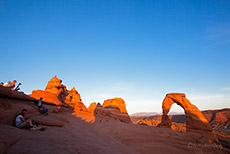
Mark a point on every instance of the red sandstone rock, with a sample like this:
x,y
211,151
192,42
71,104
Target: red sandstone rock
x,y
194,118
8,136
54,86
8,93
50,120
58,94
12,102
77,136
117,109
47,96
118,102
92,107
100,111
74,99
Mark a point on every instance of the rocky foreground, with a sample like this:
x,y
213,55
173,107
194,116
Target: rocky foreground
x,y
74,128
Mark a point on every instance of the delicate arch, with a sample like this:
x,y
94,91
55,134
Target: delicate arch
x,y
195,120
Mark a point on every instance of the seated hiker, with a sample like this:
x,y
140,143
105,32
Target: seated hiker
x,y
7,84
42,109
22,122
17,88
2,84
12,84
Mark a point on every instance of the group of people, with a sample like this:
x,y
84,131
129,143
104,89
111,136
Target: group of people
x,y
11,85
22,122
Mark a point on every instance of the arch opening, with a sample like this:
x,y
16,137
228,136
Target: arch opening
x,y
194,118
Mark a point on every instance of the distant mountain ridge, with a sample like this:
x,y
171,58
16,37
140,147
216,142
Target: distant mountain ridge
x,y
218,119
154,113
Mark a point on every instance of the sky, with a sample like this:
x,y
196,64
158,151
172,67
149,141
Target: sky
x,y
138,50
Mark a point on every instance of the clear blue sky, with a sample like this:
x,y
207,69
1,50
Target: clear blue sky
x,y
137,50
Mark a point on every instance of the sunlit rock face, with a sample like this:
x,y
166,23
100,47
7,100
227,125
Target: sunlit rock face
x,y
54,86
74,99
55,92
47,96
117,108
115,102
58,94
92,107
195,120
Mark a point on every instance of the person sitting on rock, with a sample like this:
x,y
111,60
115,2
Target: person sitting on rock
x,y
1,83
17,88
42,109
12,84
22,122
7,84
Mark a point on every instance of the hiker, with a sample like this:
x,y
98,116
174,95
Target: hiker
x,y
12,84
22,122
42,109
17,88
1,83
7,84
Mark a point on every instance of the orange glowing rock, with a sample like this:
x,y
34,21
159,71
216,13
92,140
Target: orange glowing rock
x,y
92,107
118,102
54,85
195,120
58,94
74,99
47,96
117,109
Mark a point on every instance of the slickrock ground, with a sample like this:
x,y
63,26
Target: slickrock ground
x,y
86,132
102,136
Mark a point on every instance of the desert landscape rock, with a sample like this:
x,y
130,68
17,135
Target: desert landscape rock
x,y
118,102
92,107
195,120
47,96
117,108
74,99
57,93
109,132
55,86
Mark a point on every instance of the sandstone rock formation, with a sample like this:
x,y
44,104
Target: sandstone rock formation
x,y
111,109
117,108
103,112
77,136
58,94
92,107
47,96
55,92
12,102
115,102
194,118
74,99
54,86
